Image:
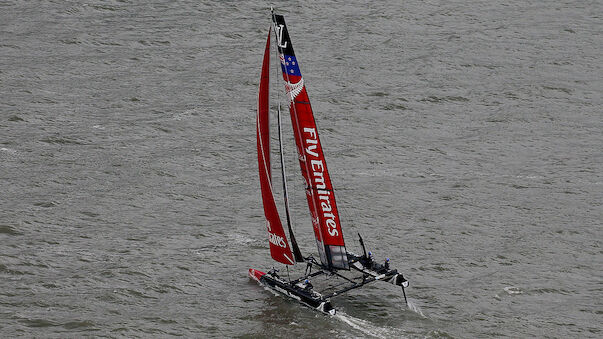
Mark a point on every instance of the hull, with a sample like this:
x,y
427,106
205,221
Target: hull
x,y
295,290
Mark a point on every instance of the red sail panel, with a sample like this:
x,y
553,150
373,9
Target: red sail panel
x,y
279,247
319,190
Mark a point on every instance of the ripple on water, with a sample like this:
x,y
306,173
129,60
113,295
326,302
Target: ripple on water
x,y
38,323
9,230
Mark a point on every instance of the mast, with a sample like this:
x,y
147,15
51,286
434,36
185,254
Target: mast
x,y
319,190
279,247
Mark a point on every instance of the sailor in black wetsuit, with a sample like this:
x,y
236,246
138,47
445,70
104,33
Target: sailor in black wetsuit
x,y
367,261
308,286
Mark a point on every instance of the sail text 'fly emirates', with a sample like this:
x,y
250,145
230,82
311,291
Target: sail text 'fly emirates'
x,y
324,196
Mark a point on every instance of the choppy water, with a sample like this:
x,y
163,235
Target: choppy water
x,y
464,140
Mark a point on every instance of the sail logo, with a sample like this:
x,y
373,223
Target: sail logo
x,y
277,240
312,143
279,36
294,89
317,172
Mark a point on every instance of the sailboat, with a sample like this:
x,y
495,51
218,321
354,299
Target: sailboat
x,y
341,270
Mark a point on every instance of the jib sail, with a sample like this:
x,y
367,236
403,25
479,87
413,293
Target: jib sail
x,y
279,246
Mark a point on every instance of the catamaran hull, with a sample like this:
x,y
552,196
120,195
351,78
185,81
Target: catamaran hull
x,y
283,287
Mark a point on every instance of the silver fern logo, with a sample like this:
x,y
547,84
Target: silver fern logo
x,y
294,89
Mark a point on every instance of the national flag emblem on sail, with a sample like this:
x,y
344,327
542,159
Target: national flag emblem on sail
x,y
289,65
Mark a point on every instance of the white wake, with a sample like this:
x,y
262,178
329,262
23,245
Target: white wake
x,y
413,307
370,329
366,327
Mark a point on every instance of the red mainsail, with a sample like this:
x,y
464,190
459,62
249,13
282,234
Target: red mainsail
x,y
279,247
319,190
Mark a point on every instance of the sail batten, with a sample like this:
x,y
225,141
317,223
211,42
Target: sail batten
x,y
321,200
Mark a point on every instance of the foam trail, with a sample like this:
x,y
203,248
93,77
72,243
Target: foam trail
x,y
366,327
415,308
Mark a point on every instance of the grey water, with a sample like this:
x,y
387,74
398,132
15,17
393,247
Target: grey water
x,y
464,141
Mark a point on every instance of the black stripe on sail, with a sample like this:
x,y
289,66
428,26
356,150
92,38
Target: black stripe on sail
x,y
296,252
282,35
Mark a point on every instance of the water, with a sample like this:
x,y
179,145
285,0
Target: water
x,y
464,141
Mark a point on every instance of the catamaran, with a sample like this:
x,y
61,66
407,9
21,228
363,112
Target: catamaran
x,y
341,270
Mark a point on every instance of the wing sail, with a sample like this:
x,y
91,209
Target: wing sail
x,y
319,190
